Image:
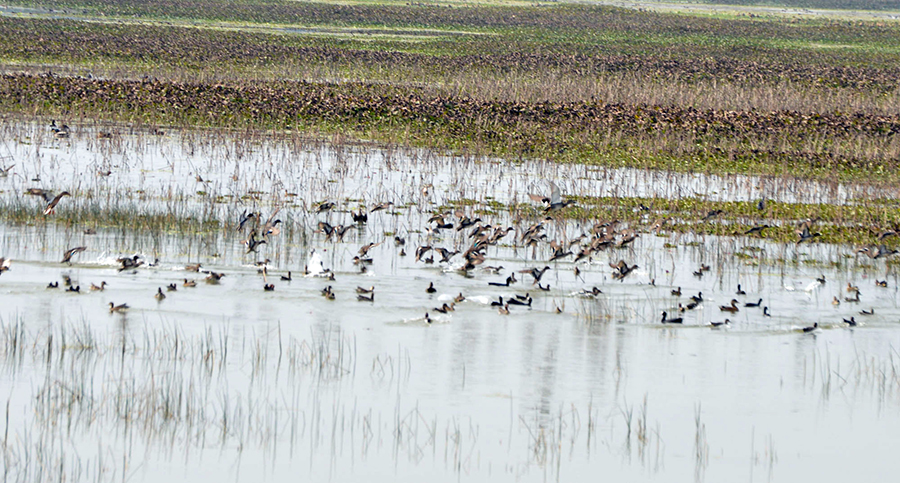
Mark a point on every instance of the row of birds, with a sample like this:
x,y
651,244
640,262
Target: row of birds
x,y
733,306
482,235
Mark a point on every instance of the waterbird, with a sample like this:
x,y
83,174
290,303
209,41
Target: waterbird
x,y
287,278
118,308
806,236
756,229
51,206
68,254
5,264
697,298
360,218
667,320
712,214
253,242
504,310
172,287
98,288
821,279
53,285
459,298
766,312
835,301
365,290
593,292
75,289
129,263
245,218
159,294
192,268
730,308
545,289
556,202
503,284
444,309
881,283
67,280
269,287
427,318
381,206
867,312
761,205
214,277
498,302
366,298
621,269
720,324
518,301
851,322
325,206
189,283
751,304
739,291
677,292
431,288
811,328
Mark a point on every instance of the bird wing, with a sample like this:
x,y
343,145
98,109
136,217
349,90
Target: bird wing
x,y
555,195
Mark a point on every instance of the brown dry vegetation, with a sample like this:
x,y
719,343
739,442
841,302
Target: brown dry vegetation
x,y
571,83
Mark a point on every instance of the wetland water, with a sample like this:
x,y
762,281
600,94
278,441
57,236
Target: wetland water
x,y
231,382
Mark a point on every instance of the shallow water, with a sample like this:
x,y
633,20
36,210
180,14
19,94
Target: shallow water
x,y
228,381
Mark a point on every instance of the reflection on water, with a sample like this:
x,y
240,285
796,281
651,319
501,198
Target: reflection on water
x,y
231,382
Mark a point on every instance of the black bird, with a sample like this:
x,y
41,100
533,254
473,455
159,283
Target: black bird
x,y
756,229
867,312
360,218
53,285
508,281
712,214
172,287
667,320
806,236
287,278
697,298
324,207
751,304
811,328
498,302
739,291
851,322
720,324
431,288
766,312
677,292
517,301
535,273
269,287
366,298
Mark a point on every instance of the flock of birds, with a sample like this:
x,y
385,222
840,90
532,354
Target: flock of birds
x,y
473,238
476,237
